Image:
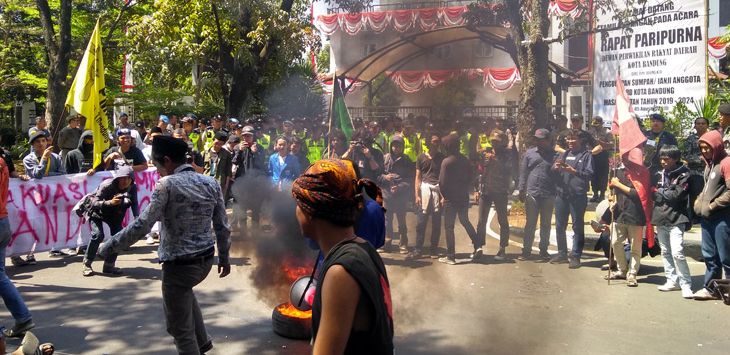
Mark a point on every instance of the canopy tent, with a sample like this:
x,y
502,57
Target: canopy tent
x,y
394,55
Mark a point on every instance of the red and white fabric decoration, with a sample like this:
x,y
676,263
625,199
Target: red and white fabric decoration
x,y
401,20
499,79
717,47
572,8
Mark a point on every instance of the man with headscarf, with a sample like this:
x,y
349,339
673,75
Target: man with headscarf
x,y
186,203
353,283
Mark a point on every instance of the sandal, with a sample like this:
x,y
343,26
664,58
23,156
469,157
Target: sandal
x,y
46,349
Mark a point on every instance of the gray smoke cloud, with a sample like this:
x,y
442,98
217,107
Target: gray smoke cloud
x,y
280,252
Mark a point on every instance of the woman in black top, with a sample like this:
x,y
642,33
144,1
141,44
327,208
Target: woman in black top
x,y
352,310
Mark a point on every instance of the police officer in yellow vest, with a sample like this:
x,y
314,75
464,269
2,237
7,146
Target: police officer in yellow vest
x,y
315,143
188,124
213,129
412,142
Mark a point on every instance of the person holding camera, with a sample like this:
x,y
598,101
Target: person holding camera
x,y
494,188
575,170
108,204
368,160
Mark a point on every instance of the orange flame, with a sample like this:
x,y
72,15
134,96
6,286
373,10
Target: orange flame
x,y
289,310
293,272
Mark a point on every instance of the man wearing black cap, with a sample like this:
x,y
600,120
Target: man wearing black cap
x,y
42,161
185,202
537,190
656,138
724,111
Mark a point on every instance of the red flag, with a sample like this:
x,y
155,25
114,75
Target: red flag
x,y
631,146
624,125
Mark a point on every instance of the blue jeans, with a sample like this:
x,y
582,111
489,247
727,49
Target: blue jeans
x,y
575,206
13,301
716,248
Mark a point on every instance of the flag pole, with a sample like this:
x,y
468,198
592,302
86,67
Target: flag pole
x,y
329,118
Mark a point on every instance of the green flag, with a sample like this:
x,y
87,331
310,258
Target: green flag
x,y
339,117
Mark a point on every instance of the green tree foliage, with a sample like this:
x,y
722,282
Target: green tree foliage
x,y
243,46
385,93
451,97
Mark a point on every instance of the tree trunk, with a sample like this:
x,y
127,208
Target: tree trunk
x,y
58,51
533,62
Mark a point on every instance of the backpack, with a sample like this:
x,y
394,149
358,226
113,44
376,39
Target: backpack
x,y
83,207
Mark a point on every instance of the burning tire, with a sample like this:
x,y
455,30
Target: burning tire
x,y
292,323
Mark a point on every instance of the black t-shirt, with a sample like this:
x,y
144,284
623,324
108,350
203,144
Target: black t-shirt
x,y
132,157
429,166
8,160
363,263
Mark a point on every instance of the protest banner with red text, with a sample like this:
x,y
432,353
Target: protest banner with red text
x,y
40,211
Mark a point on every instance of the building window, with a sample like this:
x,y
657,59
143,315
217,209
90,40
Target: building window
x,y
442,52
483,50
724,13
369,49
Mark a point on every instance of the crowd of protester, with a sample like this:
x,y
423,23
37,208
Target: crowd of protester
x,y
435,169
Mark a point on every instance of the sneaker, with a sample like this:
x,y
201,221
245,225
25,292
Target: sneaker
x,y
477,254
559,259
19,329
631,281
501,255
18,261
687,293
403,249
705,295
448,260
87,271
149,240
669,286
523,257
30,259
56,254
414,255
615,276
573,263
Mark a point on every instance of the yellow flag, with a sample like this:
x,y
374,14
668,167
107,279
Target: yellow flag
x,y
88,94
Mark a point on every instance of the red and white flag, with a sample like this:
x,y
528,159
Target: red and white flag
x,y
631,146
624,125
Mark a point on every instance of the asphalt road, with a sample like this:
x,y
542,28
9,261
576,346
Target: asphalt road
x,y
472,308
